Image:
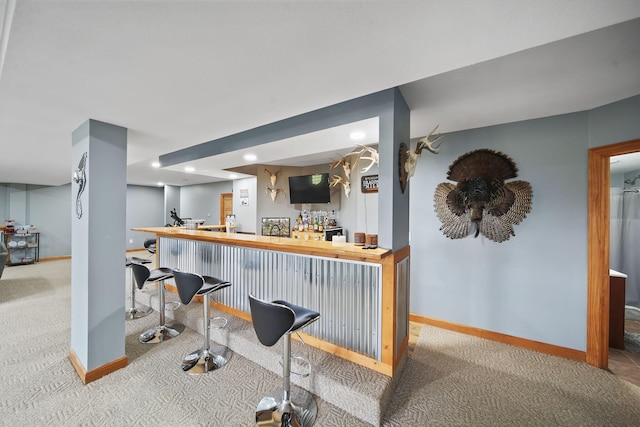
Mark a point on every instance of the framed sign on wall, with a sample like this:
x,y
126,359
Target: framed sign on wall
x,y
369,184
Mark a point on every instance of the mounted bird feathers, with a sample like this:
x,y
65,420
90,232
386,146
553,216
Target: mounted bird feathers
x,y
481,199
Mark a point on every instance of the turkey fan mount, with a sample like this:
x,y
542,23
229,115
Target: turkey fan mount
x,y
481,201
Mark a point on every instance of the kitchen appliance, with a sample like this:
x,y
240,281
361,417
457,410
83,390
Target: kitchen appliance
x,y
332,231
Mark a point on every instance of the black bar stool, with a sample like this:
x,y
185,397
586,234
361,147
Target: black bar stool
x,y
135,312
161,332
150,245
207,358
271,321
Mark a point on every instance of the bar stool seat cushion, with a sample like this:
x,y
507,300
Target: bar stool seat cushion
x,y
303,316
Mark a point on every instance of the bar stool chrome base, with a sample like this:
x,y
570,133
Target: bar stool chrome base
x,y
161,333
300,411
137,312
206,359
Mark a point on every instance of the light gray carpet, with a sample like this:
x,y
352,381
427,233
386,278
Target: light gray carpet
x,y
450,380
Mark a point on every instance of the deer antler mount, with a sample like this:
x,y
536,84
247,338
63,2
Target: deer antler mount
x,y
409,159
346,184
273,177
273,193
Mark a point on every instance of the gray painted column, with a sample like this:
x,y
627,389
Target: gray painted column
x,y
171,201
393,205
98,243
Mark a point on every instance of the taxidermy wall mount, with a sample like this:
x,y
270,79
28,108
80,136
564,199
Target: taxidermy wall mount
x,y
482,199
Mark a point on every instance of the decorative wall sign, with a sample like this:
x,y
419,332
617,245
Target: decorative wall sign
x,y
481,199
244,197
80,178
369,184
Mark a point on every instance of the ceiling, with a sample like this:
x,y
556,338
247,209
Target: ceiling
x,y
177,74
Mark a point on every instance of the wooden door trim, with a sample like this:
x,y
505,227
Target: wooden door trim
x,y
598,249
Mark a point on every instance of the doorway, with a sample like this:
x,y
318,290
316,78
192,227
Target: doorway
x,y
598,250
226,206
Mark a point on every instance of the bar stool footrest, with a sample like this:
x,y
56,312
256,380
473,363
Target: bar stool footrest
x,y
221,319
302,363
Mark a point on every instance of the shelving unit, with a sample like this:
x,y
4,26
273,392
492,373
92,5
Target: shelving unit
x,y
23,248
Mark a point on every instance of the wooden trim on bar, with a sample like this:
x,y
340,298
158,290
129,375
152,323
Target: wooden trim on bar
x,y
541,347
346,354
389,361
94,374
342,352
398,257
317,248
388,310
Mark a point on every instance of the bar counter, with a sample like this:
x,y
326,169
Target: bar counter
x,y
353,289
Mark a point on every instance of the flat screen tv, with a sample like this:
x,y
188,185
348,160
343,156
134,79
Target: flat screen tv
x,y
309,188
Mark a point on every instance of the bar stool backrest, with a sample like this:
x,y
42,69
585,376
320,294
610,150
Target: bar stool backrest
x,y
188,285
270,321
150,245
140,273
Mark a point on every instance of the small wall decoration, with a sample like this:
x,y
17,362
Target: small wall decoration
x,y
244,197
349,162
369,184
481,199
346,184
273,177
80,178
408,159
273,193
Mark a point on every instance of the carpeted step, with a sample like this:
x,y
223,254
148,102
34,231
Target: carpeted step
x,y
358,390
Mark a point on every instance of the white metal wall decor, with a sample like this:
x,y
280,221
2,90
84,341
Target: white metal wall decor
x,y
481,199
80,178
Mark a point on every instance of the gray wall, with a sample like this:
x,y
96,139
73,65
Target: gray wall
x,y
4,203
50,209
534,285
616,122
144,209
245,214
203,201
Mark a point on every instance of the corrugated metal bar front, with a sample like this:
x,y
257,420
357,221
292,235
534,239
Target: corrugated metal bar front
x,y
347,294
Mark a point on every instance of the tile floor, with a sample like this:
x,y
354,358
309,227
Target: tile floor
x,y
624,363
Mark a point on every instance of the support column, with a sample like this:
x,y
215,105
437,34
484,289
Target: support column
x,y
393,222
393,205
98,237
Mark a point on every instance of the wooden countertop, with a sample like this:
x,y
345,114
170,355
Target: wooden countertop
x,y
282,244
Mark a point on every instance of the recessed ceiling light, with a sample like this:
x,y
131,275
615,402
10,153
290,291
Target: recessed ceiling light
x,y
189,169
161,183
233,176
155,164
250,157
357,135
